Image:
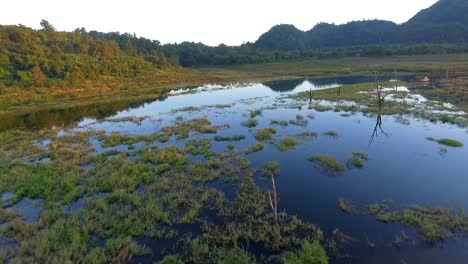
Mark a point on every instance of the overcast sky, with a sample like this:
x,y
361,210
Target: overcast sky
x,y
209,21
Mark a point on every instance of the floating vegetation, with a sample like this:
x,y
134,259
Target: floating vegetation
x,y
197,147
254,148
265,134
250,123
255,113
183,128
190,109
307,135
231,138
282,123
300,121
357,159
331,133
434,224
330,164
310,252
345,115
287,144
447,142
322,108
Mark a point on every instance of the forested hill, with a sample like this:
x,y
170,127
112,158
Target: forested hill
x,y
47,57
444,22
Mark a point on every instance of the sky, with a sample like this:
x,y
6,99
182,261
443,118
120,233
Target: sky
x,y
212,22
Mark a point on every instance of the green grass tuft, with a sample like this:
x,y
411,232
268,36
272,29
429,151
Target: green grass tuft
x,y
332,165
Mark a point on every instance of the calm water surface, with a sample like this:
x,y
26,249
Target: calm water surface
x,y
403,165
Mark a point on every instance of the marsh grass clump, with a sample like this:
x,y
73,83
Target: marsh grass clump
x,y
250,123
299,121
287,144
357,159
332,165
171,155
307,135
282,123
265,134
347,206
182,128
197,147
254,148
255,113
331,133
434,224
310,252
231,138
447,142
322,108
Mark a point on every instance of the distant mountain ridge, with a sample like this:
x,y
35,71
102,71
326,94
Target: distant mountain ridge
x,y
444,22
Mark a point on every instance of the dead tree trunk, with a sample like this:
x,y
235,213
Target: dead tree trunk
x,y
274,200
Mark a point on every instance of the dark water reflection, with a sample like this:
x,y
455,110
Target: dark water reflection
x,y
70,116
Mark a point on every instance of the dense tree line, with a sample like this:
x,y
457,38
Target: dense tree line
x,y
41,57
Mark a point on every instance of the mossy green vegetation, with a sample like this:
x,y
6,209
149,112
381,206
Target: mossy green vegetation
x,y
299,121
250,123
330,164
255,113
287,143
447,142
331,133
282,123
357,159
231,138
254,148
265,134
434,224
310,252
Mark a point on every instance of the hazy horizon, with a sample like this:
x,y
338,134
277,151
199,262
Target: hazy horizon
x,y
206,21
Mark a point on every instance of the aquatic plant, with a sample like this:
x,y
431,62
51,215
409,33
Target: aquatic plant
x,y
250,123
307,135
231,138
255,113
254,148
299,121
357,159
347,206
265,134
287,144
310,252
171,259
331,133
282,123
332,165
447,142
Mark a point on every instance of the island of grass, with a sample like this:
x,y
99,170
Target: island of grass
x,y
287,144
357,159
254,148
265,133
330,164
447,142
250,123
